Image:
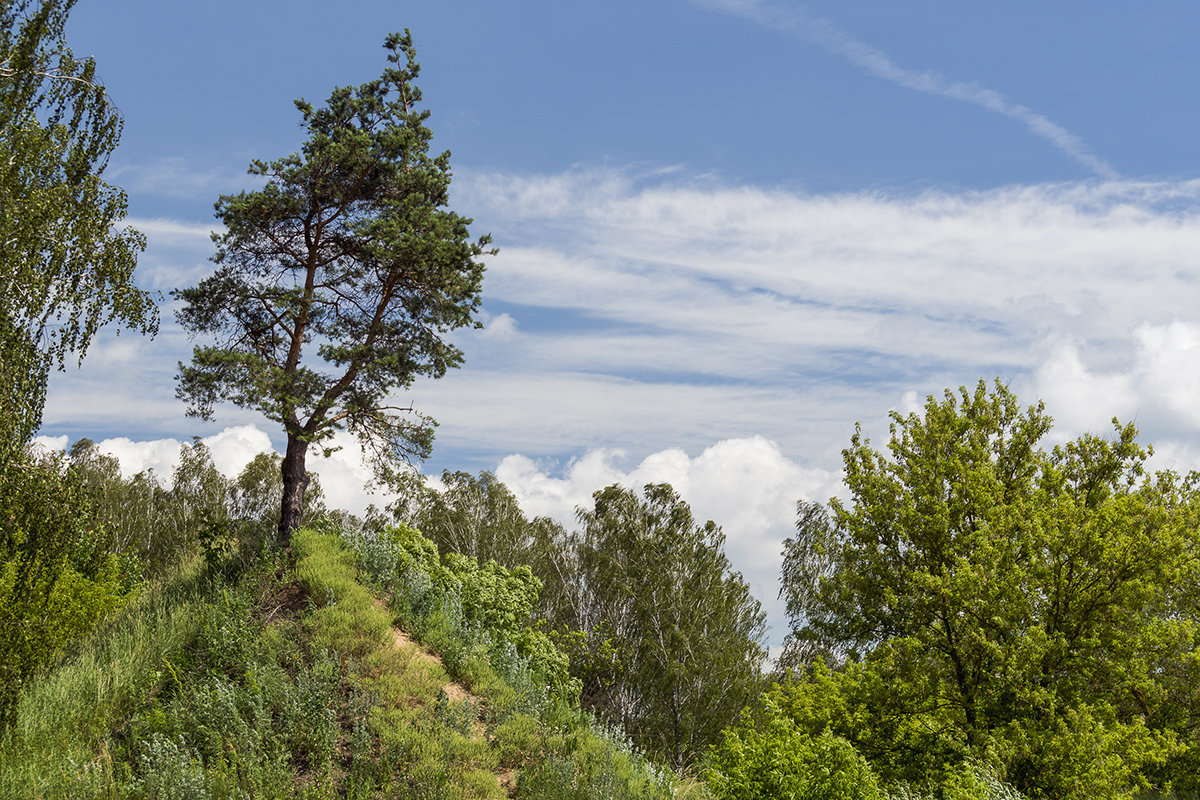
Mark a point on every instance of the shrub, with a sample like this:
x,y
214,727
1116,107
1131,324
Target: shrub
x,y
767,757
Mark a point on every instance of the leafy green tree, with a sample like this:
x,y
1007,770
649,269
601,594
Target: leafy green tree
x,y
157,523
131,510
338,281
1035,606
674,633
478,516
66,261
58,574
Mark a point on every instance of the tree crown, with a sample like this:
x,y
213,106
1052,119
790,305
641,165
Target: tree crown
x,y
338,281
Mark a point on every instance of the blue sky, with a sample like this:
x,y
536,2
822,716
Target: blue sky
x,y
729,229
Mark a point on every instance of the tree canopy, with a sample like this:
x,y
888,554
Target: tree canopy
x,y
66,260
1035,606
671,644
337,282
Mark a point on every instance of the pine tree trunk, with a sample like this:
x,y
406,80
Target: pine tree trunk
x,y
295,482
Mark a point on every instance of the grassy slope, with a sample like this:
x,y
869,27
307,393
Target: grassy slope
x,y
288,680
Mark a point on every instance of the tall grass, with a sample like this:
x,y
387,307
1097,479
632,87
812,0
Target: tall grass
x,y
66,716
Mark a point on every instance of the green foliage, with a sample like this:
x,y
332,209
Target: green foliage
x,y
1029,606
595,762
671,636
350,245
493,596
65,713
241,683
346,618
974,780
66,260
478,517
57,576
455,601
518,670
156,525
768,756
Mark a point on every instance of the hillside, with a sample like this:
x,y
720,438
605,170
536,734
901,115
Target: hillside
x,y
300,677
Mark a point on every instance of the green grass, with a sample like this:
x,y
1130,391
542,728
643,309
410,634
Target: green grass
x,y
557,751
60,745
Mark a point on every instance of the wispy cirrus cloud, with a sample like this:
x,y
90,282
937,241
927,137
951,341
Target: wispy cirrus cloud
x,y
676,311
874,61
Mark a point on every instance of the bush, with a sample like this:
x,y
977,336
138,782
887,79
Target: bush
x,y
767,756
57,576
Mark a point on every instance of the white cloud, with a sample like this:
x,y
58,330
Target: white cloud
x,y
1169,367
53,444
501,326
1155,385
233,448
160,455
175,232
345,477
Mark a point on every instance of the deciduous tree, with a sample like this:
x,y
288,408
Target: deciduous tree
x,y
1035,605
657,593
66,269
66,259
337,282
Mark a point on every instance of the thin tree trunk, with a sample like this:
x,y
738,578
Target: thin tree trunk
x,y
295,482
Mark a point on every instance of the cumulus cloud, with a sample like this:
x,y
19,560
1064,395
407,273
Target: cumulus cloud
x,y
1154,386
345,476
233,448
159,455
500,326
52,443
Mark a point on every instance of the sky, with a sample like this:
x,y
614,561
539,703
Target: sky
x,y
729,230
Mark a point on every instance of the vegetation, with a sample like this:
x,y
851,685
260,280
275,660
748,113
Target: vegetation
x,y
286,678
66,261
664,638
984,618
479,517
349,251
58,575
669,637
982,597
66,268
